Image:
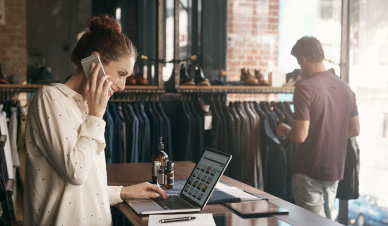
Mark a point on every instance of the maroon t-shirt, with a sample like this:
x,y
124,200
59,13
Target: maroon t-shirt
x,y
328,103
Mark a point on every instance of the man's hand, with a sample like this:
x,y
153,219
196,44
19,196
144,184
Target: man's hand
x,y
298,133
142,190
283,130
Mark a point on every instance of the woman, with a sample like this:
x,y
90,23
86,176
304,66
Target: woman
x,y
66,182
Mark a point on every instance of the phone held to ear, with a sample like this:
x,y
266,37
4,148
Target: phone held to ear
x,y
87,63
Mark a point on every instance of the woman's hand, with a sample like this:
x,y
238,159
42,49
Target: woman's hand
x,y
142,190
96,92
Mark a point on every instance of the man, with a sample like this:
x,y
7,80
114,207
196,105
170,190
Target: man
x,y
325,116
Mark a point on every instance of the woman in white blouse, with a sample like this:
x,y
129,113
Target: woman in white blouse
x,y
66,181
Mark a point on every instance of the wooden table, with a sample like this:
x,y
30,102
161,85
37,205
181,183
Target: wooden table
x,y
134,173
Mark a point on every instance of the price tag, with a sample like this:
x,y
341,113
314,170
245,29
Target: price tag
x,y
208,122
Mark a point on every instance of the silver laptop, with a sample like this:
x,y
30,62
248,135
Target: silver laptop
x,y
195,193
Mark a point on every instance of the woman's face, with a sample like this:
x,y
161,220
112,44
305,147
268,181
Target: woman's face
x,y
119,71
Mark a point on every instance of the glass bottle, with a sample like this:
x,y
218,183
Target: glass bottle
x,y
161,176
169,176
158,160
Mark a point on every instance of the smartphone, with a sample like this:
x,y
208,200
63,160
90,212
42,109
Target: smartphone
x,y
87,63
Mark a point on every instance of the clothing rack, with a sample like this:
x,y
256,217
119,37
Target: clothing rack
x,y
234,89
8,91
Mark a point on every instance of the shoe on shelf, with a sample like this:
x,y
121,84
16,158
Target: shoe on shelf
x,y
130,80
200,78
246,77
260,78
185,78
140,80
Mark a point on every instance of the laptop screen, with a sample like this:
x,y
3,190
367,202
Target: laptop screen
x,y
205,176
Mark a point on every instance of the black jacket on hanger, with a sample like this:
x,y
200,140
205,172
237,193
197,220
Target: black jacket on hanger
x,y
123,132
217,128
181,134
117,155
154,127
273,159
198,132
236,160
160,120
132,135
147,151
231,138
141,131
166,131
348,186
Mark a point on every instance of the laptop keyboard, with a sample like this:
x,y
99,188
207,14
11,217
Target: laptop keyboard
x,y
173,202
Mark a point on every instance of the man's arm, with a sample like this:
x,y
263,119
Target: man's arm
x,y
354,126
297,133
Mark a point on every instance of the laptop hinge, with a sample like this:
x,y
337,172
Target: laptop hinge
x,y
191,202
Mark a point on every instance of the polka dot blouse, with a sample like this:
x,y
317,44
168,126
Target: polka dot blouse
x,y
66,182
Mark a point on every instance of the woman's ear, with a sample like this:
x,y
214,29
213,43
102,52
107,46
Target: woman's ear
x,y
95,52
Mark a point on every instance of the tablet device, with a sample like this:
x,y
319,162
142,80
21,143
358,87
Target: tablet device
x,y
261,208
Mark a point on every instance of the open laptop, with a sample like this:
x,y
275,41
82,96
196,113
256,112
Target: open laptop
x,y
195,193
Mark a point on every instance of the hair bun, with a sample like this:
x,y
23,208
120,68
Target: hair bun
x,y
103,22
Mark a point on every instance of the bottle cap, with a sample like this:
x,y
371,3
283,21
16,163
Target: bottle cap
x,y
160,145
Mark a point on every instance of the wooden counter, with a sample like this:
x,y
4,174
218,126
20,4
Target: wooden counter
x,y
133,173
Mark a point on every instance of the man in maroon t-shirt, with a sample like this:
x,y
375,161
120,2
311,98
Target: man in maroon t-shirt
x,y
325,116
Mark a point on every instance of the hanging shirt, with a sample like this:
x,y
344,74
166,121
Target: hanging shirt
x,y
7,146
13,133
66,180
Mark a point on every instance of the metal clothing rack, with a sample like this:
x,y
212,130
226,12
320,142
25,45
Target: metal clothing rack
x,y
8,91
234,89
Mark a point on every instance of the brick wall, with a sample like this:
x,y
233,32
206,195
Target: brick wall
x,y
253,35
13,38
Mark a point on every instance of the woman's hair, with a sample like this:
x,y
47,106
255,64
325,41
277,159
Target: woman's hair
x,y
309,47
105,37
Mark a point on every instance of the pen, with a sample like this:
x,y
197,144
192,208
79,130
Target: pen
x,y
176,219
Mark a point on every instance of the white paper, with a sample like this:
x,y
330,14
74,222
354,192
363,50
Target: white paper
x,y
200,219
276,78
236,192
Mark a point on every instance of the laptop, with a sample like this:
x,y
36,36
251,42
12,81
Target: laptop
x,y
195,193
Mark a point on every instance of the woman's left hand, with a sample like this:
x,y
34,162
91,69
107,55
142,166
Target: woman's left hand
x,y
142,190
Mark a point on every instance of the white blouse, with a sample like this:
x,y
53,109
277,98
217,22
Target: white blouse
x,y
66,180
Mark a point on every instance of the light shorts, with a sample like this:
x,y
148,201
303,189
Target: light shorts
x,y
314,195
